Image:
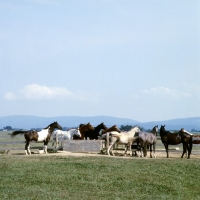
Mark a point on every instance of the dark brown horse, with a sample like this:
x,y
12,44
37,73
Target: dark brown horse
x,y
83,128
169,138
95,133
39,136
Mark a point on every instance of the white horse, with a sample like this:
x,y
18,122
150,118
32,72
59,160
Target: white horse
x,y
126,138
65,135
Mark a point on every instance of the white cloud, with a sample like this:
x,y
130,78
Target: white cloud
x,y
164,91
9,96
42,92
35,91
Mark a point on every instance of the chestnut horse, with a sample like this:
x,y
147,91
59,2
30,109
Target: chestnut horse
x,y
83,128
109,130
39,136
112,128
169,138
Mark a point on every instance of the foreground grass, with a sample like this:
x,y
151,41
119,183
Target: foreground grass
x,y
50,177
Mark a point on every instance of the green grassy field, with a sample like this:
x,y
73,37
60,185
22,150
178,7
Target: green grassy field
x,y
56,177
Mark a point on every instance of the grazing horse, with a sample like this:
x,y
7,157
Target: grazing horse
x,y
169,138
95,133
65,135
126,138
83,128
39,136
147,138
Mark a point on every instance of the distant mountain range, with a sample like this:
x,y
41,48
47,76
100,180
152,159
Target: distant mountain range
x,y
28,122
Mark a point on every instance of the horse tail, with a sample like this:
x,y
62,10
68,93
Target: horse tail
x,y
14,133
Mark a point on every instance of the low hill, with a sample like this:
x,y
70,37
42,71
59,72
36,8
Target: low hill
x,y
28,122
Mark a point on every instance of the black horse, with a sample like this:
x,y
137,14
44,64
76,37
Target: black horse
x,y
39,136
95,133
169,138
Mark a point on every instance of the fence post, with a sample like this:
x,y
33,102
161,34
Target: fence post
x,y
56,140
107,140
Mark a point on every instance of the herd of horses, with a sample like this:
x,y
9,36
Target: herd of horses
x,y
115,136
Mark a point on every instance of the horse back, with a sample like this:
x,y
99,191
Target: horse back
x,y
171,138
147,137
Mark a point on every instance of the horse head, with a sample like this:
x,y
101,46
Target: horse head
x,y
162,128
56,125
78,133
155,130
103,126
89,126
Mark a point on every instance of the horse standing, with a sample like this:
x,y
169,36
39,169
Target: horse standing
x,y
126,138
147,138
39,136
93,134
83,128
169,138
65,135
112,128
109,130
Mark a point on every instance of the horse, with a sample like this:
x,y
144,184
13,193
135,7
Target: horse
x,y
126,138
109,130
196,139
83,128
95,133
65,135
112,128
169,138
147,138
39,136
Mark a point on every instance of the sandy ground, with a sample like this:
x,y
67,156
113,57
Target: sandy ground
x,y
159,154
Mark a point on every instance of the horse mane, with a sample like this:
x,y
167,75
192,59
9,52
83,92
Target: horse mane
x,y
49,125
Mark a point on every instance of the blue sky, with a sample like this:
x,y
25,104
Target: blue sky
x,y
129,59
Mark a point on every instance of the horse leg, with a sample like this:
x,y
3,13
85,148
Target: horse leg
x,y
145,150
142,150
45,147
154,150
108,150
185,148
150,150
131,153
126,148
27,148
166,148
190,145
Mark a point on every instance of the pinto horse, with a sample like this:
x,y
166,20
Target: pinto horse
x,y
169,138
83,128
95,133
147,138
39,136
126,138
